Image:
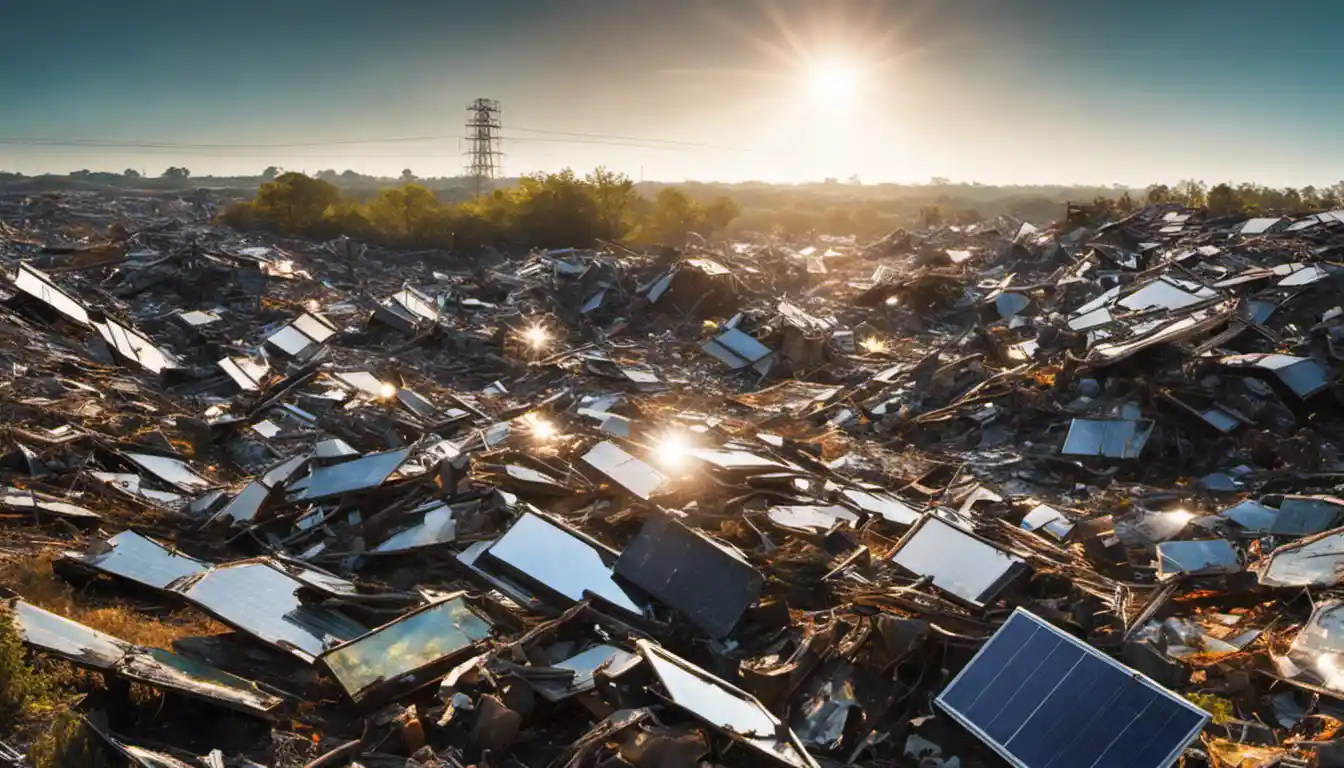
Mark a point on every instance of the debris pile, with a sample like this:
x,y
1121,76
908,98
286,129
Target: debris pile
x,y
1055,496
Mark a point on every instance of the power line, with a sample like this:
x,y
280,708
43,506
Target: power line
x,y
138,144
579,138
629,138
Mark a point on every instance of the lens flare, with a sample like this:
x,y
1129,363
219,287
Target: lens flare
x,y
672,450
874,345
536,337
542,429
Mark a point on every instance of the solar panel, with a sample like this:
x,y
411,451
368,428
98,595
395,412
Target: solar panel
x,y
1044,699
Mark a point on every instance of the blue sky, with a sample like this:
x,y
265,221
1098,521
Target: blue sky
x,y
997,91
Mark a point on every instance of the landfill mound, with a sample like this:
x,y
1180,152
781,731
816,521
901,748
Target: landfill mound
x,y
982,495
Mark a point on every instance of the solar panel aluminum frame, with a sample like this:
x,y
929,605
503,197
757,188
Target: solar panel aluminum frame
x,y
1003,752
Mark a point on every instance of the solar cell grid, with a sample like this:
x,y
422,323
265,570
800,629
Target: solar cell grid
x,y
1043,699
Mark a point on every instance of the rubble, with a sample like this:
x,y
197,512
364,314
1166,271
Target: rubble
x,y
1053,495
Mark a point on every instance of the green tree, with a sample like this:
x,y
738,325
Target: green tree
x,y
1223,200
411,213
1157,193
407,176
1311,198
176,173
1292,201
1190,193
1335,192
294,203
349,218
131,173
674,216
270,173
1328,199
719,214
555,210
613,194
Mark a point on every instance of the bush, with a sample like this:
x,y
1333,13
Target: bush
x,y
67,742
23,692
545,210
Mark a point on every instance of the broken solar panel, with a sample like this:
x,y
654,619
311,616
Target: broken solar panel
x,y
737,350
361,381
576,674
436,526
470,558
1047,521
1167,293
263,601
134,485
198,318
133,557
408,653
135,346
174,472
1262,226
627,471
958,563
1112,438
91,649
407,310
1010,304
1303,375
729,459
708,583
39,286
811,518
725,707
1196,558
883,504
1044,699
559,561
369,471
245,505
1314,561
24,499
246,373
1294,515
1317,653
302,337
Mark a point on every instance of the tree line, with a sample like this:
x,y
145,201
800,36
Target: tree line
x,y
1226,199
543,210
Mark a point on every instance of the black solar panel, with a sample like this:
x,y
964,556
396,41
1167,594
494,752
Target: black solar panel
x,y
1044,699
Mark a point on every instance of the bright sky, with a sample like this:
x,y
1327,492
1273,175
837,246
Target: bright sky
x,y
996,91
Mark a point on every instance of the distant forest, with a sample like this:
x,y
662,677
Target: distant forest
x,y
568,209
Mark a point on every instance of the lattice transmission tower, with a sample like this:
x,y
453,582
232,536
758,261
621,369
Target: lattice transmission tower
x,y
484,156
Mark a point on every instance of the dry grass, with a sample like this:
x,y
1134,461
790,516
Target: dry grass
x,y
33,579
66,742
24,692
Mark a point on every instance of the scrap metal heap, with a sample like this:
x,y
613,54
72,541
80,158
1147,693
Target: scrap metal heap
x,y
1054,496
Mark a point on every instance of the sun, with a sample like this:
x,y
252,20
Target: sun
x,y
832,84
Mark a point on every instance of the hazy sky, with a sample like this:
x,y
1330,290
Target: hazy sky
x,y
997,91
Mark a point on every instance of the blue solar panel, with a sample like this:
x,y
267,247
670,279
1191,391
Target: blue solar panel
x,y
1043,699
